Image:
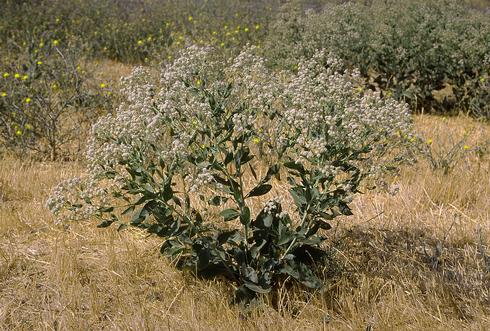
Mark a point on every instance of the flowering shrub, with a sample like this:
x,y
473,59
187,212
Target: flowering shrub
x,y
45,100
202,158
432,54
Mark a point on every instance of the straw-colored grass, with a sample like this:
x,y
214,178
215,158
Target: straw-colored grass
x,y
415,260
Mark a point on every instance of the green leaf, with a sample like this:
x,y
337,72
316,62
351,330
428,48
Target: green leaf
x,y
217,200
230,214
298,197
245,216
252,171
129,210
272,171
256,287
259,190
295,166
105,224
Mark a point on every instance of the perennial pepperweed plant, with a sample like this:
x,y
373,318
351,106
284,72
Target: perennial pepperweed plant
x,y
201,159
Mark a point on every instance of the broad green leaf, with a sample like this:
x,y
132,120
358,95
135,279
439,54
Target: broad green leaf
x,y
230,214
259,190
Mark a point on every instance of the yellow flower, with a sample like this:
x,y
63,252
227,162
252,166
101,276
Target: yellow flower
x,y
360,89
257,26
226,27
140,42
429,141
3,94
18,132
190,18
6,75
17,75
102,85
39,63
256,140
222,44
482,79
246,30
28,100
198,82
25,77
466,147
54,86
58,20
55,42
215,33
28,127
41,44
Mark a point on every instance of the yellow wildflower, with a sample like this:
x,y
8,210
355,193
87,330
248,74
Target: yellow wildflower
x,y
18,132
102,85
6,75
246,30
28,127
41,44
17,75
25,77
198,82
190,18
140,42
466,147
39,63
28,100
55,42
257,26
256,140
429,141
3,94
222,44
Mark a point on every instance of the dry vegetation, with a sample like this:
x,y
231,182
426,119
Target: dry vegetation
x,y
416,260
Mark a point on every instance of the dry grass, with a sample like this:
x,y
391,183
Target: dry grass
x,y
422,264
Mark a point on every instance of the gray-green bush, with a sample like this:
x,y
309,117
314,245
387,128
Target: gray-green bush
x,y
435,55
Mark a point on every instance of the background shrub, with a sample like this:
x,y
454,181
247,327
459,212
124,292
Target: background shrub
x,y
47,100
432,54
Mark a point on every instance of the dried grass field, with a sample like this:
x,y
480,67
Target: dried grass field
x,y
416,257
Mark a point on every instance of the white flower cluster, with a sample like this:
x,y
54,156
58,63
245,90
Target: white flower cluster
x,y
203,178
323,108
74,190
309,112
